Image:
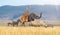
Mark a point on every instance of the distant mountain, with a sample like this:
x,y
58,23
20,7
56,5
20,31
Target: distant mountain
x,y
50,12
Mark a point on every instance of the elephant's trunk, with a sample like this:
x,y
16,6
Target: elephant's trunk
x,y
38,17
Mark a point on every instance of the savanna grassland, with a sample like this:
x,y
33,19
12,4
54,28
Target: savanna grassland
x,y
29,30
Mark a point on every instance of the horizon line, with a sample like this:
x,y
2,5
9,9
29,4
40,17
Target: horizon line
x,y
25,5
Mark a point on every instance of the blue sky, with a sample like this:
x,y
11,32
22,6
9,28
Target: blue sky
x,y
29,2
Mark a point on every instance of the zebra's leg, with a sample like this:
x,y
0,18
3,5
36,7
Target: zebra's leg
x,y
17,24
9,24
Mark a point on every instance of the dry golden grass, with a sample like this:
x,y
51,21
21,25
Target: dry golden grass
x,y
29,31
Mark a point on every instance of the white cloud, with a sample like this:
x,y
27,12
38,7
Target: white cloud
x,y
29,2
38,2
